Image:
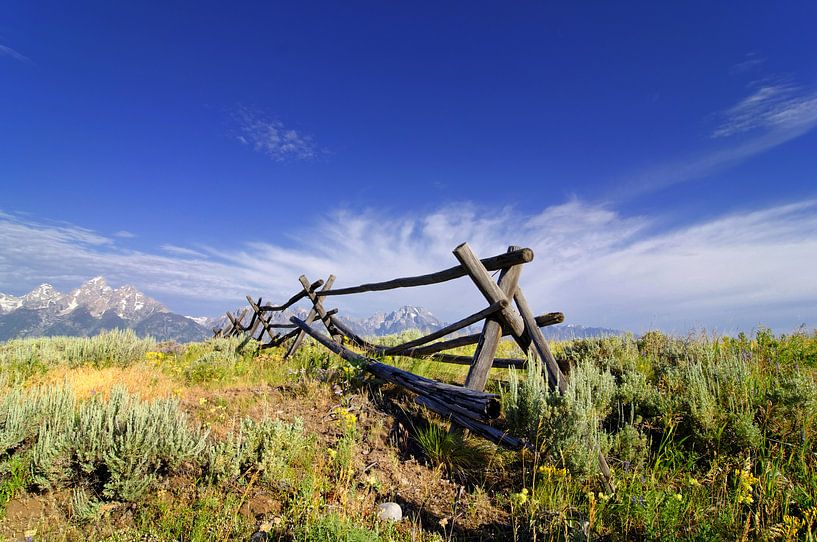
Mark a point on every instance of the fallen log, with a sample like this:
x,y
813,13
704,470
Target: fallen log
x,y
360,342
431,351
453,401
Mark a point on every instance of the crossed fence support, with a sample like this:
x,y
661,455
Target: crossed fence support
x,y
507,314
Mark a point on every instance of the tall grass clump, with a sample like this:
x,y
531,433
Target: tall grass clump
x,y
708,438
216,360
462,458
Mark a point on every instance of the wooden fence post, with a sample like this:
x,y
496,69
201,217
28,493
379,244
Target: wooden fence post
x,y
317,305
556,379
313,313
492,329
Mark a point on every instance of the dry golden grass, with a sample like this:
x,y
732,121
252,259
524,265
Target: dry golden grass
x,y
148,382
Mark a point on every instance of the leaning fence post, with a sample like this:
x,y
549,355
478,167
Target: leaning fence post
x,y
556,379
492,329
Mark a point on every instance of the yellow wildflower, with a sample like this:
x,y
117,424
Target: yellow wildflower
x,y
518,499
745,486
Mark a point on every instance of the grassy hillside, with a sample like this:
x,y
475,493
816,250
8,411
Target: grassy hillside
x,y
118,438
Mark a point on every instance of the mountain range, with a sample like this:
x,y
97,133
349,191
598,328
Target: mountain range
x,y
90,309
95,307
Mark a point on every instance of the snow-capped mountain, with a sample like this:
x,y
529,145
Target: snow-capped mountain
x,y
200,320
126,302
406,317
43,296
89,309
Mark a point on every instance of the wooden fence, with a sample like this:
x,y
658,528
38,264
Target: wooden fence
x,y
507,314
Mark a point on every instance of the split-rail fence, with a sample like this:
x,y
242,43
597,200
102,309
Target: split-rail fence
x,y
507,314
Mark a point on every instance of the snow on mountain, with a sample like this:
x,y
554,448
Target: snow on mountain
x,y
9,303
94,295
42,297
126,302
406,317
200,320
131,304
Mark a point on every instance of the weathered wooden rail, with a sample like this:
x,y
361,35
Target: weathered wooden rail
x,y
507,314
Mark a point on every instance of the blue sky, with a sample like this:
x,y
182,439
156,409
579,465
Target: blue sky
x,y
661,160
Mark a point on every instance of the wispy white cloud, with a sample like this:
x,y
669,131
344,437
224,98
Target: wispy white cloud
x,y
182,251
595,264
751,61
271,137
773,107
771,115
9,52
124,234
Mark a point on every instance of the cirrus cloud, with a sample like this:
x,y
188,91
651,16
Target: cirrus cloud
x,y
597,265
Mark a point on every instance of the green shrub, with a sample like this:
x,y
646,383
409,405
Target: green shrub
x,y
22,414
217,360
15,475
83,507
270,447
566,428
333,528
118,446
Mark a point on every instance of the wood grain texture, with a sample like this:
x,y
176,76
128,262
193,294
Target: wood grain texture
x,y
492,291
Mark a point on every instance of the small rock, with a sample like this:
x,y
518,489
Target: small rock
x,y
389,511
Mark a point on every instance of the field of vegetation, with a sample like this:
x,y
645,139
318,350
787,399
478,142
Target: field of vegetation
x,y
117,438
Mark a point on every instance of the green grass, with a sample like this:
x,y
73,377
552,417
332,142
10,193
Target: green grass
x,y
708,438
462,458
15,476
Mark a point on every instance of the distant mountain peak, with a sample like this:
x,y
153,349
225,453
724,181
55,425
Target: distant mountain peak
x,y
43,290
41,297
96,284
